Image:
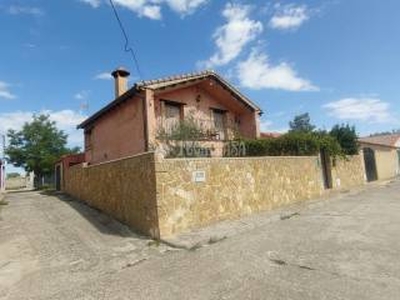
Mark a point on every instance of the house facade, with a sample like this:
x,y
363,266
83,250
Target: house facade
x,y
140,117
381,156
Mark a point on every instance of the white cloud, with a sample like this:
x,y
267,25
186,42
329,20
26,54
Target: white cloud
x,y
92,3
152,8
231,38
25,10
268,126
103,76
185,7
372,110
82,95
66,120
290,16
265,125
256,72
142,8
5,91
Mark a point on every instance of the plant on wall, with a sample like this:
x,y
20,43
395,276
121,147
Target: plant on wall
x,y
182,140
298,143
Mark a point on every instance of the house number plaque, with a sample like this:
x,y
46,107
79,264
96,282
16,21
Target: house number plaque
x,y
199,176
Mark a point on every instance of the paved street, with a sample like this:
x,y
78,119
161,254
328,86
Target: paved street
x,y
346,248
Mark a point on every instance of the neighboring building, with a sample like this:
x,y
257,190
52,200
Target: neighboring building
x,y
133,122
62,166
267,135
381,156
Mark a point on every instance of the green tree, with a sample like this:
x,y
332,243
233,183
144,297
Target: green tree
x,y
37,146
347,137
301,123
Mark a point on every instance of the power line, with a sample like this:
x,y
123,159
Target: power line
x,y
128,48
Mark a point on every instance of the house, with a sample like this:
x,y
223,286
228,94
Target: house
x,y
268,135
381,156
136,120
62,165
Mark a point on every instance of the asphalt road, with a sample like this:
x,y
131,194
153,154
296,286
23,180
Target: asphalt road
x,y
347,248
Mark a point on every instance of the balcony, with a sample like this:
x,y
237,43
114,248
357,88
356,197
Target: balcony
x,y
195,130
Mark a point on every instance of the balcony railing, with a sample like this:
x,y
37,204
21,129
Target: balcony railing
x,y
195,129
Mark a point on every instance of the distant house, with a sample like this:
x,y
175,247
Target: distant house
x,y
62,166
135,120
268,135
381,156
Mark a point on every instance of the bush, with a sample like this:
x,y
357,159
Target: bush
x,y
294,144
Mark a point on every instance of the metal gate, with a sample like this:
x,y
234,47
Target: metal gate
x,y
370,164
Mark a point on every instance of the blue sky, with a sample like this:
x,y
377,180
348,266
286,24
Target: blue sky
x,y
338,60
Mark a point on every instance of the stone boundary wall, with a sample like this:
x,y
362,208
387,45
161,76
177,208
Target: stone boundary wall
x,y
162,197
348,172
231,188
125,189
235,187
17,183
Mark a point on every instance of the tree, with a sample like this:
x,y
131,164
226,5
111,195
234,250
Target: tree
x,y
347,137
394,131
37,146
301,123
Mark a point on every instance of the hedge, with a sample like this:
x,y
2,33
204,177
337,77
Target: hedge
x,y
293,144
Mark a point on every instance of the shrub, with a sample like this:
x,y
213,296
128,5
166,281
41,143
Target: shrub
x,y
294,144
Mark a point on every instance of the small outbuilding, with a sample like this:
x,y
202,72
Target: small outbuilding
x,y
381,156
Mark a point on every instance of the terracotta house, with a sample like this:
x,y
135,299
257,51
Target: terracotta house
x,y
134,121
381,156
62,165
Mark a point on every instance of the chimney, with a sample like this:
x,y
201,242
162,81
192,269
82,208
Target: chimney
x,y
121,81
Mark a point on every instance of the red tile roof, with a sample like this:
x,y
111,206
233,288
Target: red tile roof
x,y
183,78
162,83
389,140
270,135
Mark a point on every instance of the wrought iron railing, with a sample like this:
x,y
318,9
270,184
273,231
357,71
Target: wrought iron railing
x,y
196,129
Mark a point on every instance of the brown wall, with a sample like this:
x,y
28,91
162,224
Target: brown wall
x,y
124,189
119,133
160,197
348,172
233,188
387,161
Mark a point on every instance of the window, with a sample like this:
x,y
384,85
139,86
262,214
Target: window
x,y
219,124
172,116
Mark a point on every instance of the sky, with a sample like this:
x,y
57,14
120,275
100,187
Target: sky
x,y
339,60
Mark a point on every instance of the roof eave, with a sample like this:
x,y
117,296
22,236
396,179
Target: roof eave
x,y
131,92
239,96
